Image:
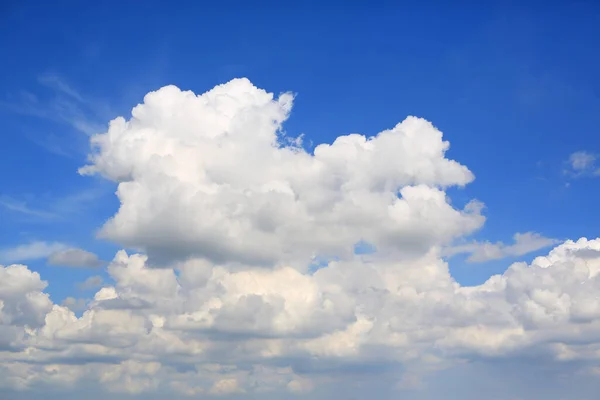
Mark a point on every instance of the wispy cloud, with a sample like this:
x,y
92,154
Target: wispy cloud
x,y
30,251
22,207
56,83
524,243
56,208
581,164
59,109
77,202
64,105
52,144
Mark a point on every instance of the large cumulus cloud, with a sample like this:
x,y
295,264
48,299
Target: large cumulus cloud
x,y
236,215
213,176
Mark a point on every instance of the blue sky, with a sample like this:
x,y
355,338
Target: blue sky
x,y
514,88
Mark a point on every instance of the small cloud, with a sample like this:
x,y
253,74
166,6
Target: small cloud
x,y
90,283
582,163
31,251
524,243
21,207
76,258
582,160
74,304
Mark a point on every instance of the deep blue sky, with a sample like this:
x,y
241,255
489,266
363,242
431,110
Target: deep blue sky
x,y
515,89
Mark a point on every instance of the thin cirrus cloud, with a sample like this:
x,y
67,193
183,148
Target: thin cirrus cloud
x,y
524,243
59,208
64,105
211,191
22,207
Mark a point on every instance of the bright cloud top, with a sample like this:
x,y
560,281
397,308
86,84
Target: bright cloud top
x,y
213,176
213,191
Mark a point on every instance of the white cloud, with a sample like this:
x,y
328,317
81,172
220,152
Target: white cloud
x,y
246,330
30,251
583,163
209,176
22,304
73,257
582,160
524,243
235,217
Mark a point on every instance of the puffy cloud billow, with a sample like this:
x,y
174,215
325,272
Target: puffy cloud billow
x,y
213,176
244,280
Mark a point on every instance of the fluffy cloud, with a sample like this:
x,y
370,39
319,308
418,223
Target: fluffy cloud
x,y
260,291
23,305
77,258
213,176
200,328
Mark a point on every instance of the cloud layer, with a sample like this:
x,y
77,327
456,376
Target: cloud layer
x,y
259,289
200,328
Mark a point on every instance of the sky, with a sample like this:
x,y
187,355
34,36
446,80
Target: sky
x,y
306,200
